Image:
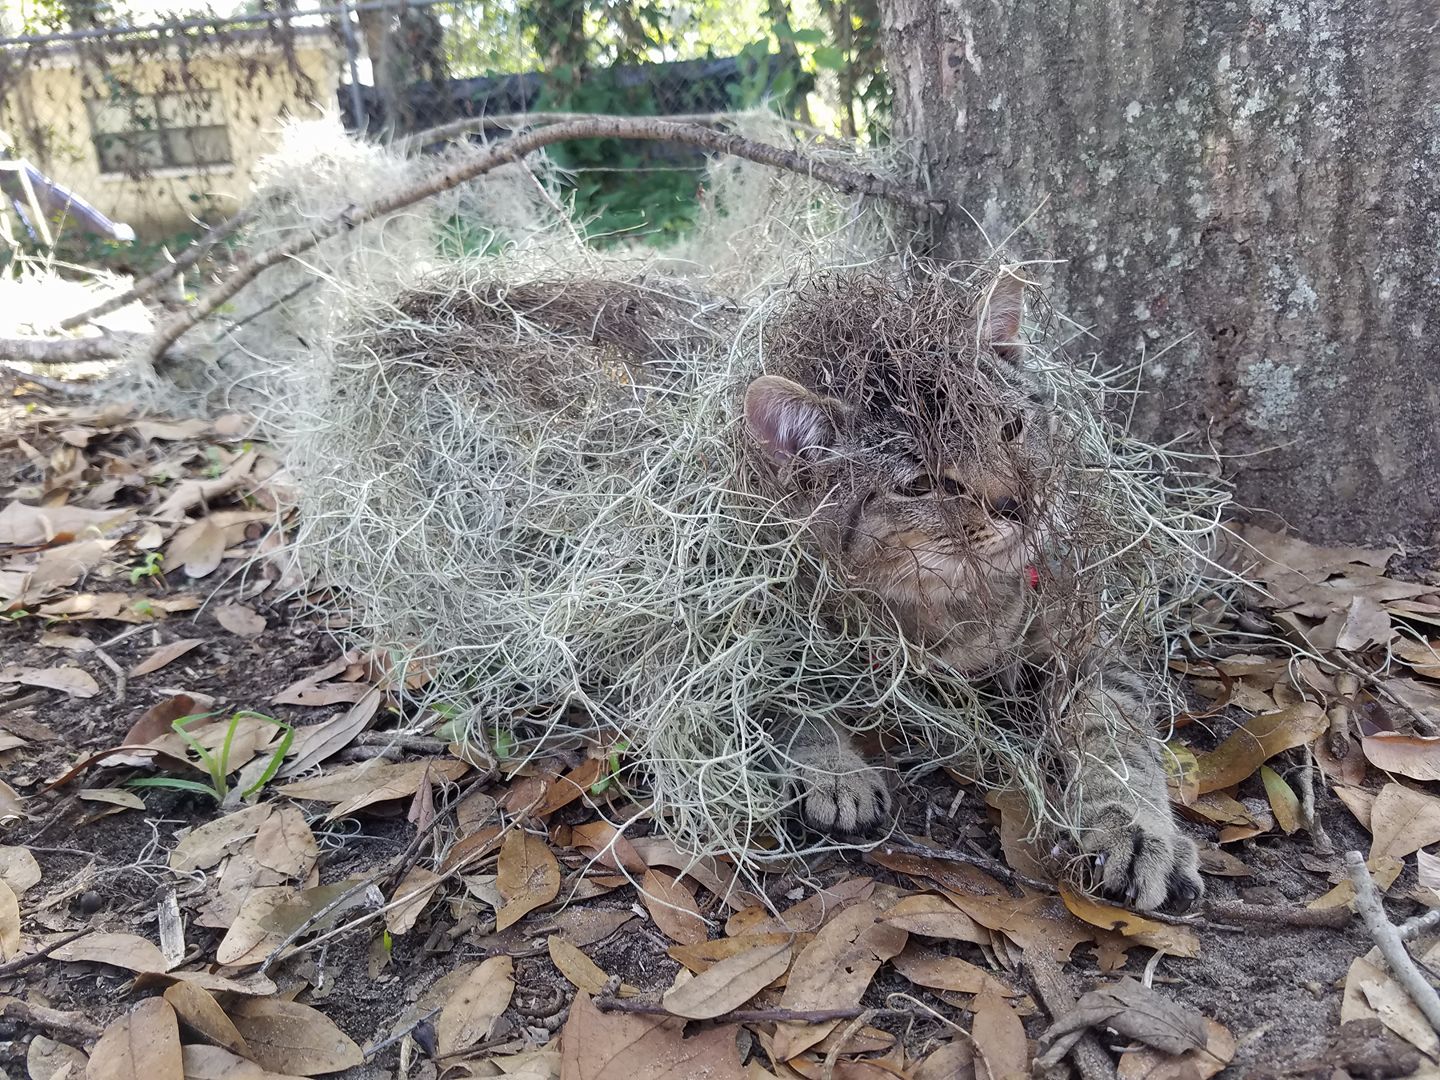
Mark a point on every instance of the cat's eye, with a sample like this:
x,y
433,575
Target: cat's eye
x,y
916,488
1013,428
925,484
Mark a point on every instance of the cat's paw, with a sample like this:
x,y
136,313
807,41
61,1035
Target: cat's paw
x,y
850,799
1141,859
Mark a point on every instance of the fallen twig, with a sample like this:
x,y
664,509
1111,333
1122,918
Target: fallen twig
x,y
20,963
519,146
67,1025
1413,928
1235,911
1387,936
147,285
36,350
751,1016
1058,997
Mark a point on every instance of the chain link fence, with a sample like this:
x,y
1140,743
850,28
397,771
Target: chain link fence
x,y
123,134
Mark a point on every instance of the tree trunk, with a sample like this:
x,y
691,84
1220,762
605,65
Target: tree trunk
x,y
1245,196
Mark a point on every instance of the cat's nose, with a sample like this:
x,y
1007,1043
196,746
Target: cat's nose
x,y
1007,507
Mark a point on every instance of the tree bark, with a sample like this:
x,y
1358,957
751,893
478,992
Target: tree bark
x,y
1244,196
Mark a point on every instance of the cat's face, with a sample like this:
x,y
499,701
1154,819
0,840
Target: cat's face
x,y
923,480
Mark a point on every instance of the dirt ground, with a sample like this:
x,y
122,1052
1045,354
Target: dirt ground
x,y
1275,986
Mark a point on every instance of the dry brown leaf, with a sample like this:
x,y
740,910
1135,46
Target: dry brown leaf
x,y
144,1044
729,984
584,926
1023,853
1422,656
1284,803
1035,922
950,875
1133,1011
410,899
527,875
808,914
27,526
566,789
716,875
1198,1064
252,984
52,571
198,1010
171,430
155,722
122,607
1415,756
999,1039
1255,742
932,915
925,967
704,955
129,951
285,844
1366,623
953,1061
476,1003
1383,870
69,680
616,1046
12,804
10,937
50,1060
318,742
609,845
165,654
673,908
1220,863
204,846
71,642
1175,940
1402,821
287,1037
270,913
18,869
116,797
214,1063
355,787
240,620
1370,992
189,494
833,971
579,969
198,548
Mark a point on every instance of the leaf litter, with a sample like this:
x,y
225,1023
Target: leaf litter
x,y
1344,672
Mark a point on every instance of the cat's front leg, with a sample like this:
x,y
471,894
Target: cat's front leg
x,y
1117,801
839,791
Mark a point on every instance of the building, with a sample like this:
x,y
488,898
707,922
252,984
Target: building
x,y
156,127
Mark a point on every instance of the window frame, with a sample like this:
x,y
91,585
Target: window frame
x,y
162,136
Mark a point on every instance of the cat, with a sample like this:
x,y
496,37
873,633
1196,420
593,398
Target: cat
x,y
925,466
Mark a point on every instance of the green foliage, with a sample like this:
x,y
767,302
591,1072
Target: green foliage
x,y
218,764
149,567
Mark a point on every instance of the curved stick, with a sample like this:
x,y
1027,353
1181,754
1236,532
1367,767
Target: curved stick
x,y
513,149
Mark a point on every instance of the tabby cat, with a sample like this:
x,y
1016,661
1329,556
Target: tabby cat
x,y
927,478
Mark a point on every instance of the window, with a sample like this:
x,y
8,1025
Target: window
x,y
136,133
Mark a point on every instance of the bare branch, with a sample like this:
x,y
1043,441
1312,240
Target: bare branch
x,y
519,146
1387,935
147,285
29,350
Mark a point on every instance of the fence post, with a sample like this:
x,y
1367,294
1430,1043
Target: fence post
x,y
352,53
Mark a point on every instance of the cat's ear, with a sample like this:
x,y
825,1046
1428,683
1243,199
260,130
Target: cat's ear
x,y
1002,308
785,418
